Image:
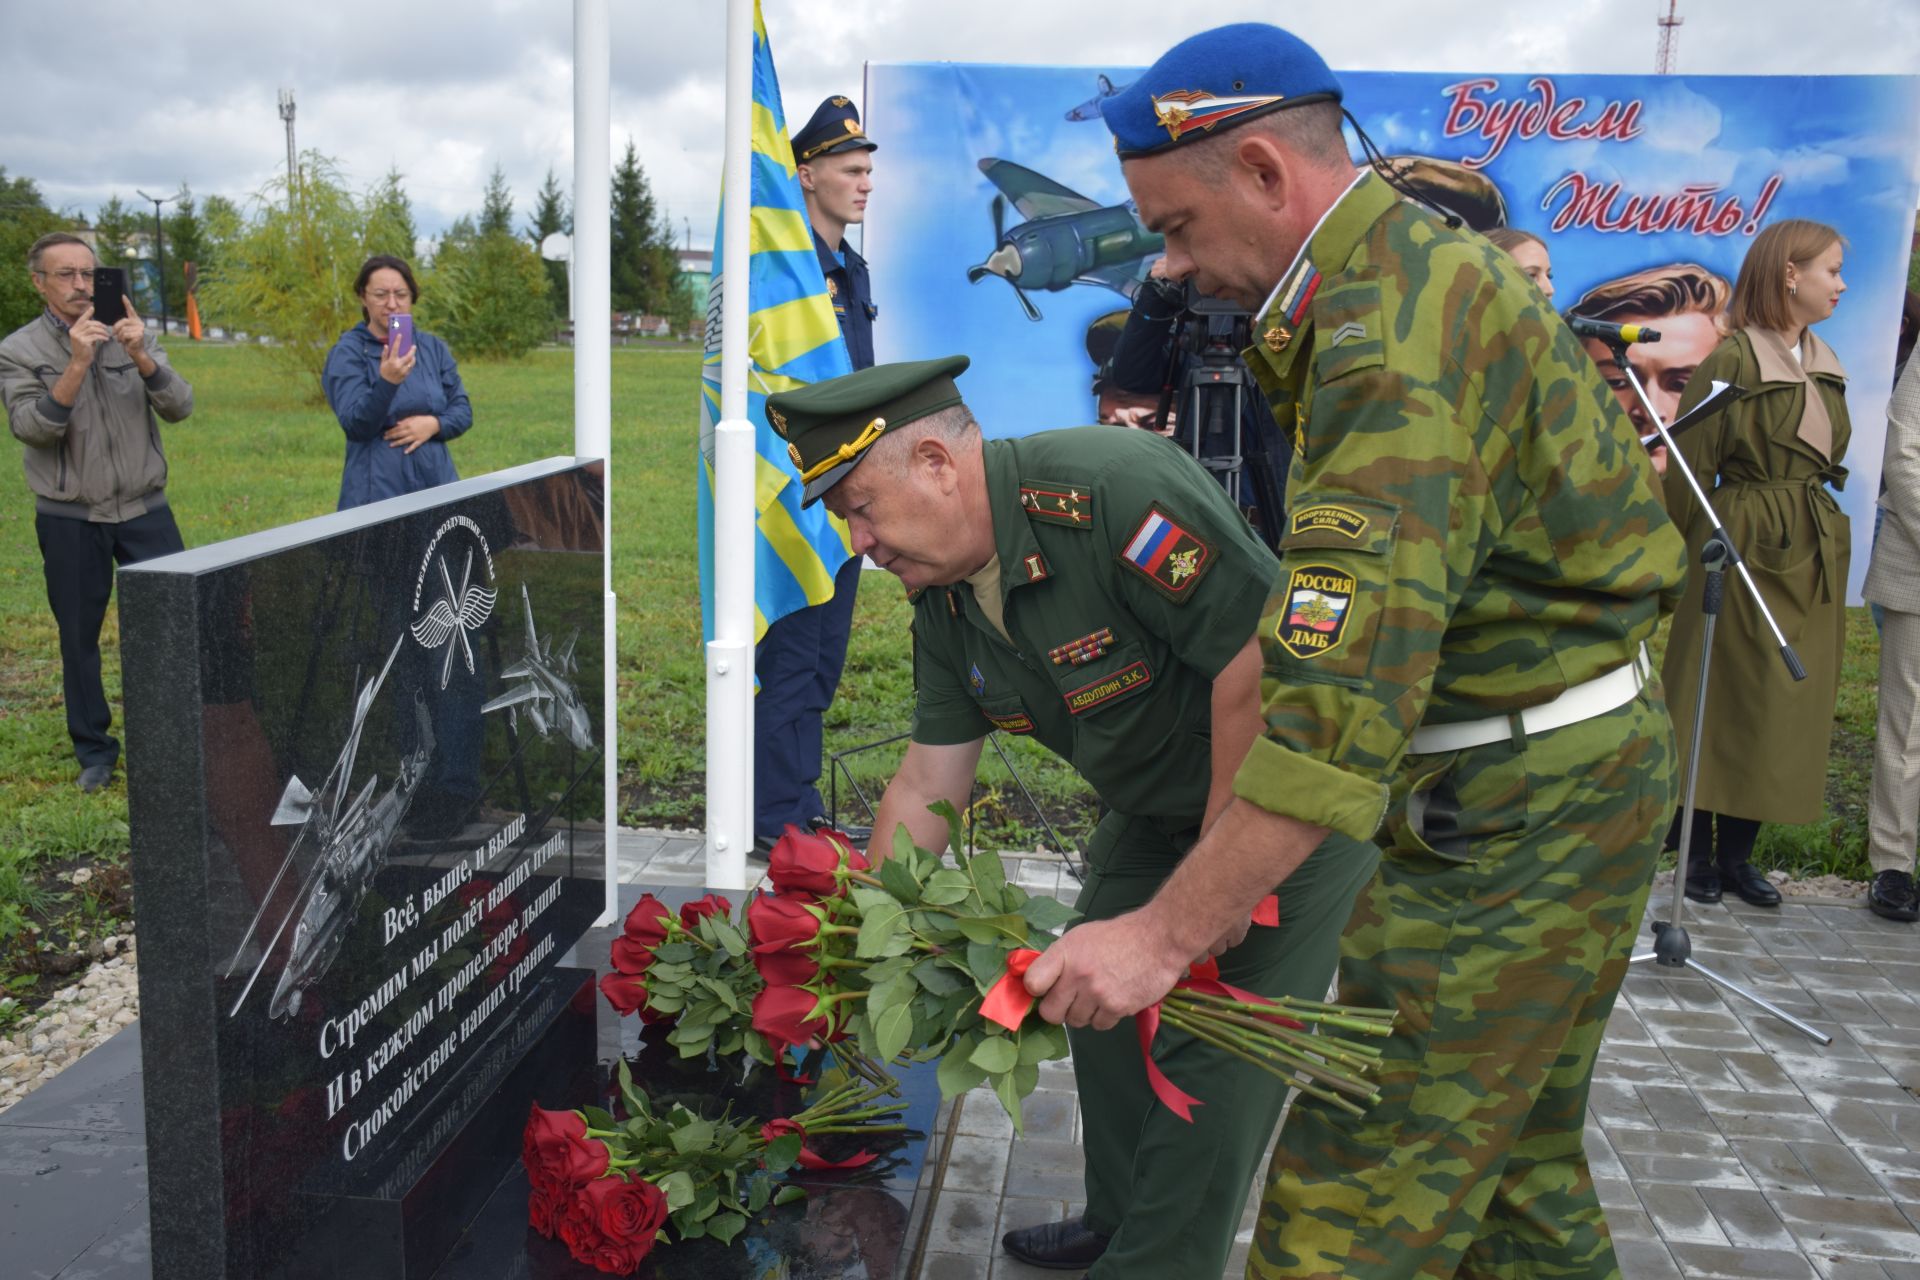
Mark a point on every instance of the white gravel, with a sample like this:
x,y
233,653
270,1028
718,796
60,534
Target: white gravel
x,y
79,1017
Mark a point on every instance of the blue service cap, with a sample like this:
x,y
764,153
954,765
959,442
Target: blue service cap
x,y
1213,81
835,127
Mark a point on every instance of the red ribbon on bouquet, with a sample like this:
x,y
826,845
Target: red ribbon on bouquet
x,y
1267,911
808,1160
1008,1001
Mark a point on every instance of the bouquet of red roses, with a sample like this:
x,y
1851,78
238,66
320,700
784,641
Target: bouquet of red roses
x,y
918,958
608,1188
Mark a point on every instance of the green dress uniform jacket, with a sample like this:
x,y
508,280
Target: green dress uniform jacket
x,y
1113,660
1128,582
1473,531
1764,753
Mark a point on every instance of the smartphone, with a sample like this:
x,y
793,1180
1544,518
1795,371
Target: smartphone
x,y
400,331
109,295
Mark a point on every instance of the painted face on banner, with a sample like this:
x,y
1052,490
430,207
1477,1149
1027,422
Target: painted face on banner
x,y
1664,367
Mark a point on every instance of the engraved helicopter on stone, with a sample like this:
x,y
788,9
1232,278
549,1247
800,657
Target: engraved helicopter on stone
x,y
545,693
348,839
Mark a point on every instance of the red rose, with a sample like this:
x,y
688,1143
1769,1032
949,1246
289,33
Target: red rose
x,y
785,1015
628,994
574,1224
786,968
812,862
560,1148
626,1209
783,920
647,922
617,1258
630,955
711,905
543,1209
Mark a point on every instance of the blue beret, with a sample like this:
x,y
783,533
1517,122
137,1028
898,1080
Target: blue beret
x,y
835,127
1213,81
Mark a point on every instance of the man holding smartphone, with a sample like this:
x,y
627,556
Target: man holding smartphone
x,y
86,401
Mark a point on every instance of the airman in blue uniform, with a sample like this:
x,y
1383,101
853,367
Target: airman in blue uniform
x,y
800,658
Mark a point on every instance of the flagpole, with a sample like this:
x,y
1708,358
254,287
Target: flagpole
x,y
590,293
730,653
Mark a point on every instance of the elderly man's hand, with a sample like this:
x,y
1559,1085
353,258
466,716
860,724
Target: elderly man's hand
x,y
131,332
84,339
1106,970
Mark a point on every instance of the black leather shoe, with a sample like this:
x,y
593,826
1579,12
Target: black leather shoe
x,y
1703,885
95,776
1754,889
1892,895
1057,1246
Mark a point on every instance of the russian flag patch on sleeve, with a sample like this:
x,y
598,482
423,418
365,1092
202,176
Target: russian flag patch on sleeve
x,y
1166,555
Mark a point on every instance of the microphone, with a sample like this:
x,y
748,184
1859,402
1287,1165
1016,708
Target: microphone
x,y
1621,334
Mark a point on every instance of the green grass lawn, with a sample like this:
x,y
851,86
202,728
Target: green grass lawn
x,y
259,452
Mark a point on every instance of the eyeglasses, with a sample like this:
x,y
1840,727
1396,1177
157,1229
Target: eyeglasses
x,y
68,275
388,296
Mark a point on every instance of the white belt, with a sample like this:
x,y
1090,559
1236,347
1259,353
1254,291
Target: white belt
x,y
1582,702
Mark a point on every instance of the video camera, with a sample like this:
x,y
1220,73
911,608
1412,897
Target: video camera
x,y
1221,415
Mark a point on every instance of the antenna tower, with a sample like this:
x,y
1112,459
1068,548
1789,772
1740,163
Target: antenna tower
x,y
286,114
1669,39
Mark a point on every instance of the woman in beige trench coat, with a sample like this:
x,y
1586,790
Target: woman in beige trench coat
x,y
1767,462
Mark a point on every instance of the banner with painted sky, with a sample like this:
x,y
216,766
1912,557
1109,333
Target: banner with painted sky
x,y
988,175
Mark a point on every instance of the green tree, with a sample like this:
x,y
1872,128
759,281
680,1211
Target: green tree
x,y
390,227
643,261
496,212
24,218
289,273
550,214
486,294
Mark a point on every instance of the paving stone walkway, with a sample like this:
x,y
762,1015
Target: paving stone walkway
x,y
1725,1145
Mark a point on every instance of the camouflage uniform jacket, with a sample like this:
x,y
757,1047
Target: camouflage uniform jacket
x,y
1128,581
1472,526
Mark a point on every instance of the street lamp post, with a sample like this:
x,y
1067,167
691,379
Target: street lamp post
x,y
159,248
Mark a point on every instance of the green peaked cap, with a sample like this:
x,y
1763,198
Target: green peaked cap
x,y
830,425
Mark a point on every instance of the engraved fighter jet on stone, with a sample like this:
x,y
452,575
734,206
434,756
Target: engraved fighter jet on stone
x,y
347,840
1066,239
546,694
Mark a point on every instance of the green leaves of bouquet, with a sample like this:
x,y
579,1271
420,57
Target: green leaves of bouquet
x,y
937,939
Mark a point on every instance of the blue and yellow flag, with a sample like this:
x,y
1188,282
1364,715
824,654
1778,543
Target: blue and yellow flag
x,y
792,339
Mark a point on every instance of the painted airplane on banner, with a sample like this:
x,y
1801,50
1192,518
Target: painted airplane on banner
x,y
1066,239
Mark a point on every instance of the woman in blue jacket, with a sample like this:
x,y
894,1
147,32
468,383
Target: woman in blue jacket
x,y
398,411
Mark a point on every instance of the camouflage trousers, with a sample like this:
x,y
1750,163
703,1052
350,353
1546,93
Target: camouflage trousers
x,y
1500,925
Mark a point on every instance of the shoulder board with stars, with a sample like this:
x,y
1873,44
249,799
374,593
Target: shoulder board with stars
x,y
1057,503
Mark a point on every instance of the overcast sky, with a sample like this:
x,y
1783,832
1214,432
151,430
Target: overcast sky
x,y
149,95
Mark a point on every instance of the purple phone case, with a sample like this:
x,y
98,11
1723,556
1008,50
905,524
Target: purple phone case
x,y
401,327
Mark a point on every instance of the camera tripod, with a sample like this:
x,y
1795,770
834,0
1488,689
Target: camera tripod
x,y
1672,945
1211,422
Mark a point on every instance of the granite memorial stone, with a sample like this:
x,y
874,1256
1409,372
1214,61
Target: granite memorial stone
x,y
366,794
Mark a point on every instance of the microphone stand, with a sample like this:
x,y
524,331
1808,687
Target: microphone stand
x,y
1672,946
